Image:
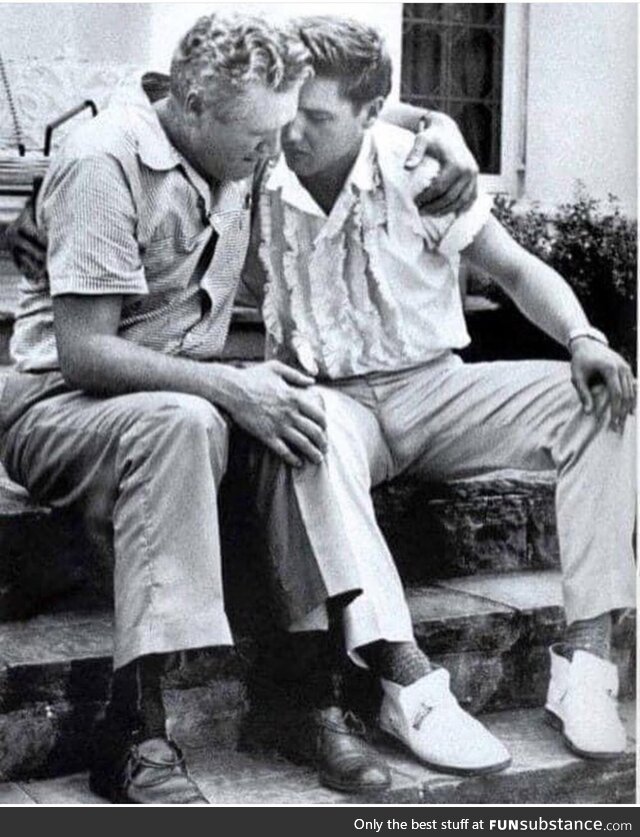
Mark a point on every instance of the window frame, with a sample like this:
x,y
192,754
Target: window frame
x,y
513,104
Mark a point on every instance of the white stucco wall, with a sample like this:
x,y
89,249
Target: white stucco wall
x,y
582,101
83,31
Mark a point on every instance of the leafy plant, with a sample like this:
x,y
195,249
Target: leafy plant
x,y
594,246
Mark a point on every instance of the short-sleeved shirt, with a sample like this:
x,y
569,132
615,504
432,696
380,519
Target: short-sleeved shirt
x,y
125,213
373,286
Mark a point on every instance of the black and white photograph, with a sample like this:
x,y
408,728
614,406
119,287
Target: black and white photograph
x,y
318,340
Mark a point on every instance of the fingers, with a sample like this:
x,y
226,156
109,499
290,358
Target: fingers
x,y
466,198
28,256
302,444
28,252
417,153
622,395
281,449
290,375
446,195
584,393
32,239
313,431
306,433
618,397
628,386
440,187
313,409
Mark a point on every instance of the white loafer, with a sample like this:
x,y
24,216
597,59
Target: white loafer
x,y
427,718
582,702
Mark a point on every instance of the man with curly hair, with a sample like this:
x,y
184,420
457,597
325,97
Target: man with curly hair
x,y
120,406
111,411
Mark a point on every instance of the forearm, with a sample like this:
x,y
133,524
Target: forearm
x,y
104,364
545,298
542,295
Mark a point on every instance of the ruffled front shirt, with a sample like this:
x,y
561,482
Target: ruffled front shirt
x,y
373,286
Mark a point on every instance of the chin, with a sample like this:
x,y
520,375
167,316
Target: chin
x,y
240,172
300,166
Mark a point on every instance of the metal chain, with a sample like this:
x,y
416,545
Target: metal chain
x,y
12,108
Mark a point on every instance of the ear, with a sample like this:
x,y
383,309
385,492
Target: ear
x,y
371,111
193,105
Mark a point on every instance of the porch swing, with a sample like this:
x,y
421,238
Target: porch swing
x,y
22,169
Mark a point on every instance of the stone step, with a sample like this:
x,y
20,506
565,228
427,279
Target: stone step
x,y
543,771
490,632
499,522
502,522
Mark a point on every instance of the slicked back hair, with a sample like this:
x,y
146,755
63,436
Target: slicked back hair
x,y
349,52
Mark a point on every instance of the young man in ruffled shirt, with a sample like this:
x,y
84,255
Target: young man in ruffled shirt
x,y
360,291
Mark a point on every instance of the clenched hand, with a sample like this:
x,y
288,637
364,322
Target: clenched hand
x,y
456,186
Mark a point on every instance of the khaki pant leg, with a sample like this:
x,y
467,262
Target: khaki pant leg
x,y
145,466
457,420
323,535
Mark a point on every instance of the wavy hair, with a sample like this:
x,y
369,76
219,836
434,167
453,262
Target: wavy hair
x,y
221,55
350,52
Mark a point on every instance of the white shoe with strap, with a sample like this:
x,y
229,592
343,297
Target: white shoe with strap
x,y
427,718
582,702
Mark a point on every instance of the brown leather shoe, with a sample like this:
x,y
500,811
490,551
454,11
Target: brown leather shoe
x,y
151,772
345,762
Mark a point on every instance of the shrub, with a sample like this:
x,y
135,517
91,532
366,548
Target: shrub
x,y
593,246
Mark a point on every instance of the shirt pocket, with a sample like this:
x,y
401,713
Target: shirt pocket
x,y
170,260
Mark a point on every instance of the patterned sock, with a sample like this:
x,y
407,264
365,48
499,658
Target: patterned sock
x,y
401,662
593,635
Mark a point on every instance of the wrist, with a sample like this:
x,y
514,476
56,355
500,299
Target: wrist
x,y
585,333
223,386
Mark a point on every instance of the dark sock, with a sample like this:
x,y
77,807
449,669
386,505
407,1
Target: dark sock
x,y
320,660
401,662
593,635
313,669
136,698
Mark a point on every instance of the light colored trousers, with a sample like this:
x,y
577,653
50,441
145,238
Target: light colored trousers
x,y
146,467
144,470
448,420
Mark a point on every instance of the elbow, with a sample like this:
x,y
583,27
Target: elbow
x,y
76,369
72,371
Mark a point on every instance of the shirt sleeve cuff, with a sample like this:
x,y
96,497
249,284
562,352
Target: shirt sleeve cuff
x,y
467,226
135,284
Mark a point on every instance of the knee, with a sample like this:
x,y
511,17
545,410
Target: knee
x,y
192,414
186,424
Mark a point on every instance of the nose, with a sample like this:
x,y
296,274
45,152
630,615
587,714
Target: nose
x,y
270,145
294,132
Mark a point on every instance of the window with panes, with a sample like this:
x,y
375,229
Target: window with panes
x,y
452,58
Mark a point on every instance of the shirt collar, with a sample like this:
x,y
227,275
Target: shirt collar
x,y
153,145
292,191
362,173
158,153
361,177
